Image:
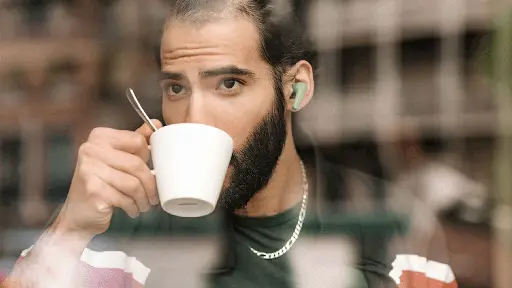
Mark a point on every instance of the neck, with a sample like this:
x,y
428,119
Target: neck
x,y
285,188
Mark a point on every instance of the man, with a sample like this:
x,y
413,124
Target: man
x,y
242,66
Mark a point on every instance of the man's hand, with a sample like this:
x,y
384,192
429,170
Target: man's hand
x,y
111,171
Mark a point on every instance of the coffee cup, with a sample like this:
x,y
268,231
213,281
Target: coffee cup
x,y
190,163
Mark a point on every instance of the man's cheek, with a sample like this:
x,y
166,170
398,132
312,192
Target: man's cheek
x,y
240,132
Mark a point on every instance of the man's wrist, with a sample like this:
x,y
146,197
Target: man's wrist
x,y
63,229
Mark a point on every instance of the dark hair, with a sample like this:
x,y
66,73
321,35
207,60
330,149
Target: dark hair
x,y
284,41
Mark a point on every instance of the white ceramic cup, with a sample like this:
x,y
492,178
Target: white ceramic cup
x,y
190,163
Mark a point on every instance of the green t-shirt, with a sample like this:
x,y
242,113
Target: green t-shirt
x,y
265,234
269,234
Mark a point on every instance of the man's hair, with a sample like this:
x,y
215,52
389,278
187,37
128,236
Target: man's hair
x,y
283,40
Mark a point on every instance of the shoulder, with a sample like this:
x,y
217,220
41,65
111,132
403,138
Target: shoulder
x,y
399,238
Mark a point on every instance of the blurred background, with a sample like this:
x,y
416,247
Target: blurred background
x,y
413,94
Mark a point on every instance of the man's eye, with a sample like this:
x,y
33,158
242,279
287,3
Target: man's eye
x,y
175,89
229,84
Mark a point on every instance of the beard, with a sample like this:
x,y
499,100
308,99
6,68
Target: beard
x,y
254,163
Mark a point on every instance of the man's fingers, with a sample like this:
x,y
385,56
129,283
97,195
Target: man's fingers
x,y
146,131
128,141
133,142
114,198
124,202
131,187
123,183
125,164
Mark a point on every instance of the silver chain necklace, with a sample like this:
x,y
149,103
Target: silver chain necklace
x,y
298,227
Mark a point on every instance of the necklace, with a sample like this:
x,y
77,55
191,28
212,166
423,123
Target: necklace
x,y
298,227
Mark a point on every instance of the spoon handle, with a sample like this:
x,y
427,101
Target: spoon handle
x,y
136,105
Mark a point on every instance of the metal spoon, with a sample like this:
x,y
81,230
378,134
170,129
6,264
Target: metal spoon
x,y
136,105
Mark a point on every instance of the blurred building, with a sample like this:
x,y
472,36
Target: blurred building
x,y
392,65
386,65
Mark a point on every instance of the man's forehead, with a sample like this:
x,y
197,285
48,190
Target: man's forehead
x,y
221,36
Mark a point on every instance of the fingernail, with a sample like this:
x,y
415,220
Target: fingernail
x,y
154,200
135,215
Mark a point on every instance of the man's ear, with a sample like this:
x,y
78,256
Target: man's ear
x,y
300,90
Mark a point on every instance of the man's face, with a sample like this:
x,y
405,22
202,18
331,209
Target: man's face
x,y
214,74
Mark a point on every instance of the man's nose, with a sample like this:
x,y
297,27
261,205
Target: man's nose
x,y
197,110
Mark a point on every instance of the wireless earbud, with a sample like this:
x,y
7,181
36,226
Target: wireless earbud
x,y
299,91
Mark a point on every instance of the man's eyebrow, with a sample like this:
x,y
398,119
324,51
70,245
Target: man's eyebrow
x,y
172,76
227,70
219,71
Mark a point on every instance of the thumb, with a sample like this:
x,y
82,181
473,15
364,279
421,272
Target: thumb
x,y
146,131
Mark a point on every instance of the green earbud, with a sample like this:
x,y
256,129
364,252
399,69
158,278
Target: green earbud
x,y
299,90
